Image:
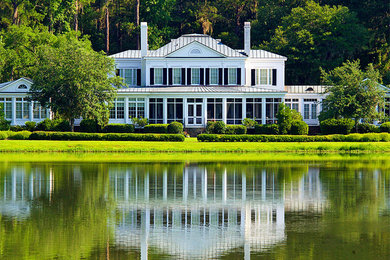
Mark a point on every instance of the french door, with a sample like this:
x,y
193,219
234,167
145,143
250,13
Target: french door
x,y
195,111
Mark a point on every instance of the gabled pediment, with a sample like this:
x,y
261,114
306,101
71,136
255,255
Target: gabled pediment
x,y
21,85
195,50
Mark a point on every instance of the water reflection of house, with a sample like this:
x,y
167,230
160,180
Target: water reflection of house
x,y
203,214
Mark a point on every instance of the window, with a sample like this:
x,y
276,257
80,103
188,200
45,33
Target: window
x,y
271,109
118,109
136,107
232,76
195,76
254,109
39,111
264,77
176,76
310,109
22,108
130,76
156,107
7,107
22,86
214,109
386,109
234,111
175,110
213,76
158,76
292,103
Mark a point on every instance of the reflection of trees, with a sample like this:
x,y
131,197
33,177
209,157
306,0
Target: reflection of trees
x,y
69,223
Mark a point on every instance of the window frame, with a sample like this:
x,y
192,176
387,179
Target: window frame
x,y
196,78
230,82
178,70
268,76
156,74
216,76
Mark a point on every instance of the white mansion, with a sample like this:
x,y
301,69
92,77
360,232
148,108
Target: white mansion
x,y
193,79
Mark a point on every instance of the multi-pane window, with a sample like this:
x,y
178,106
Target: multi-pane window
x,y
22,108
271,109
386,109
292,103
176,76
175,110
136,107
254,109
264,77
158,76
156,107
39,111
130,76
310,109
232,76
213,76
7,107
234,111
214,109
195,76
117,111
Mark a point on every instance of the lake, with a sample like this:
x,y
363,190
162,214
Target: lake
x,y
303,208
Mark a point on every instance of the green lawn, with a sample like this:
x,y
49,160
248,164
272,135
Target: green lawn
x,y
190,145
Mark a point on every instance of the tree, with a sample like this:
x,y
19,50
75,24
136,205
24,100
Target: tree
x,y
353,93
74,81
4,124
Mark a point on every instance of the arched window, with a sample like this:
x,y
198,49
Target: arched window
x,y
22,86
195,52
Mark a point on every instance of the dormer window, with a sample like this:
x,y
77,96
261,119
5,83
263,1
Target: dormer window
x,y
22,86
309,89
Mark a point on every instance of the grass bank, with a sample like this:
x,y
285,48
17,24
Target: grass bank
x,y
191,145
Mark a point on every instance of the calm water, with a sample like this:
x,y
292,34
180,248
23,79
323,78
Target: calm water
x,y
275,210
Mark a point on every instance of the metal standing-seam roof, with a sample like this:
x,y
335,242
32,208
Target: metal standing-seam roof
x,y
262,54
317,89
198,89
130,54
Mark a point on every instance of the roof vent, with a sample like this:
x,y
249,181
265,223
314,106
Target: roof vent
x,y
309,89
22,86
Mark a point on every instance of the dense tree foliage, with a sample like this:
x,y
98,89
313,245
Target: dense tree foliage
x,y
311,33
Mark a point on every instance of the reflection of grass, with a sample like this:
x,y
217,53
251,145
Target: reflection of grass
x,y
190,145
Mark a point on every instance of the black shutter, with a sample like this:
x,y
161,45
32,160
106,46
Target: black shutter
x,y
207,76
170,79
225,75
274,77
253,77
164,76
239,76
138,77
188,76
117,72
183,76
201,76
220,76
151,76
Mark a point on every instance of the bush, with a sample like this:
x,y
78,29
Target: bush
x,y
337,126
219,127
284,117
4,124
249,123
45,125
119,128
139,122
61,125
367,128
299,128
385,127
3,135
175,128
89,126
30,126
105,137
235,130
156,128
271,129
16,128
22,135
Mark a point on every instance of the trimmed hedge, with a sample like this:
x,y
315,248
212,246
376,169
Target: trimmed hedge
x,y
299,128
119,128
71,136
53,125
22,135
3,135
156,128
272,129
235,130
89,126
175,128
383,137
385,127
337,126
367,128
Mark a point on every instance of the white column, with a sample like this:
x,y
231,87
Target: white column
x,y
204,112
194,184
165,110
126,185
127,119
185,112
146,186
31,114
224,110
147,107
243,108
263,107
13,122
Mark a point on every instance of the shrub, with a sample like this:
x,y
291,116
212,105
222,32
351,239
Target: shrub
x,y
89,126
284,116
119,128
30,126
139,122
61,125
367,128
337,126
249,123
210,127
219,127
271,129
45,125
385,127
4,124
105,137
156,128
175,128
299,128
235,130
16,128
3,135
22,135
